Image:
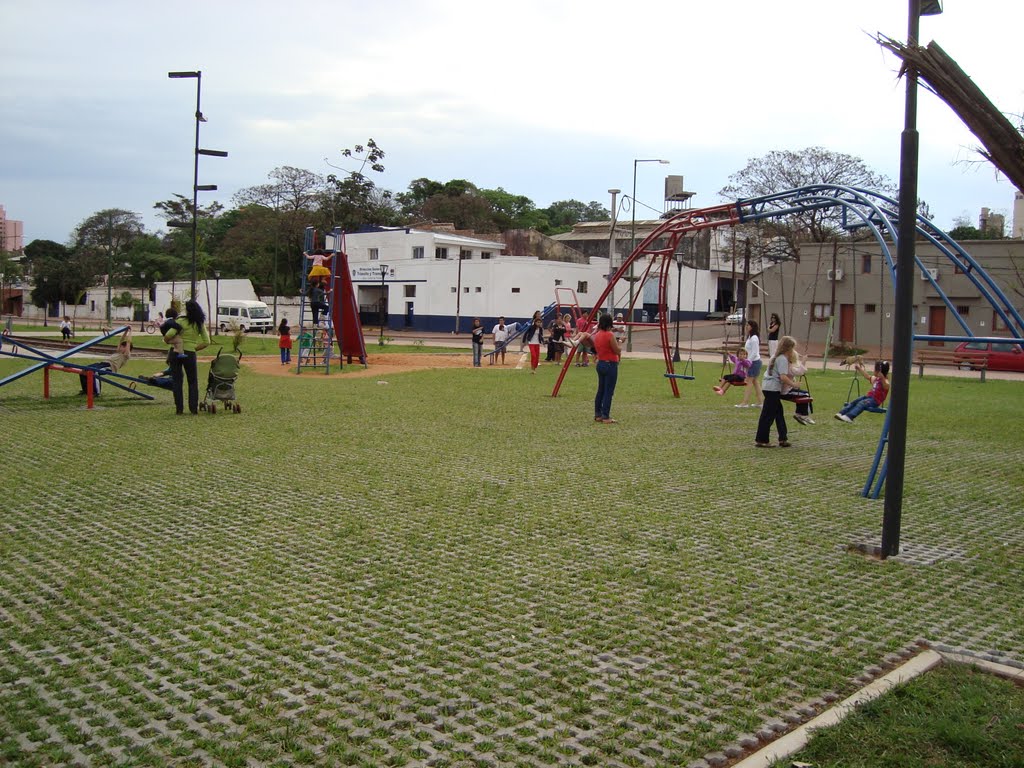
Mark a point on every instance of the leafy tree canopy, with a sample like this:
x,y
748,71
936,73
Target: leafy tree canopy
x,y
112,229
781,170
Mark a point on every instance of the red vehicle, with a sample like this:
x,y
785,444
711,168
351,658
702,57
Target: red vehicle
x,y
996,356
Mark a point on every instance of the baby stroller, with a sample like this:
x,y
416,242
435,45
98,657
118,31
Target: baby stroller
x,y
220,385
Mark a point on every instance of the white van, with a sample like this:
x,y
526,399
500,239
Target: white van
x,y
247,315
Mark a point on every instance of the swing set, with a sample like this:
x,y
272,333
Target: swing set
x,y
860,208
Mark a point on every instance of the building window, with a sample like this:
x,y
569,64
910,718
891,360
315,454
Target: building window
x,y
869,309
963,310
485,254
820,313
997,322
465,254
515,290
865,264
417,251
558,283
465,289
410,291
440,253
478,290
374,253
754,290
581,286
454,289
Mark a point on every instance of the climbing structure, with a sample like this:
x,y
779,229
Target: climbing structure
x,y
339,324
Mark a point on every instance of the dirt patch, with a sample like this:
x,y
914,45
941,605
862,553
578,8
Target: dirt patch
x,y
377,365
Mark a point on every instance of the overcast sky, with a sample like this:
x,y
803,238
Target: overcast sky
x,y
551,99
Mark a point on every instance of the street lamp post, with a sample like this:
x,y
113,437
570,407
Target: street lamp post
x,y
611,251
383,302
197,75
903,323
142,302
679,288
216,299
632,247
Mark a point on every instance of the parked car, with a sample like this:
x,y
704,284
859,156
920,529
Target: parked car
x,y
996,356
736,318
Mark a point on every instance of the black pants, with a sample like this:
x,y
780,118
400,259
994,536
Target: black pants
x,y
180,370
318,307
771,411
83,379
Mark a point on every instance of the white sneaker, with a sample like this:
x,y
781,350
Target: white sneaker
x,y
742,405
844,417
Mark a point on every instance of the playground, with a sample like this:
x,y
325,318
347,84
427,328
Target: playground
x,y
455,568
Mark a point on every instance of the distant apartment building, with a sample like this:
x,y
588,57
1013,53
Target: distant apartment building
x,y
12,233
993,223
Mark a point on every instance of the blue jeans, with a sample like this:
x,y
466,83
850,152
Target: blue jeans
x,y
477,351
856,407
607,376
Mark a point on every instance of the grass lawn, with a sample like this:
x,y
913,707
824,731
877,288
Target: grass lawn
x,y
451,568
953,716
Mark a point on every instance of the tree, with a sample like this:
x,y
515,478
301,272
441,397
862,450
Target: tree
x,y
179,208
355,201
964,230
514,211
112,229
563,214
420,190
62,275
782,170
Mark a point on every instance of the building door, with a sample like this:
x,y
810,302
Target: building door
x,y
847,322
408,314
936,324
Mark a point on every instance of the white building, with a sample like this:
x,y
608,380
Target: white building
x,y
440,281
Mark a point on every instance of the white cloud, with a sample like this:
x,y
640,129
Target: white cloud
x,y
548,99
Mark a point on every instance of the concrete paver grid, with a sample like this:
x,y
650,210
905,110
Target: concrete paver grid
x,y
442,610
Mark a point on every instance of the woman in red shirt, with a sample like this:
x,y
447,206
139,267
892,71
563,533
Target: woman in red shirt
x,y
608,352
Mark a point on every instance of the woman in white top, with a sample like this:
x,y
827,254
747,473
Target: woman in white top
x,y
753,347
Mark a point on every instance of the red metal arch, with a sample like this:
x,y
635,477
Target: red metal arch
x,y
657,250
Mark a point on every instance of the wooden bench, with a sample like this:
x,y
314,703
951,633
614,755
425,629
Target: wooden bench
x,y
944,357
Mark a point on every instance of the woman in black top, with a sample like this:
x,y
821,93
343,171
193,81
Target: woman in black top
x,y
774,326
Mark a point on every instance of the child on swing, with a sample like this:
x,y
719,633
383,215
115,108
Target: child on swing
x,y
738,377
802,397
879,391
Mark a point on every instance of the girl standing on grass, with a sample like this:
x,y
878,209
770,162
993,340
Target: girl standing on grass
x,y
776,379
284,341
533,338
753,347
478,341
608,352
774,326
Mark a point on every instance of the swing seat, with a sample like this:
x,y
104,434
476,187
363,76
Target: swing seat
x,y
872,408
682,376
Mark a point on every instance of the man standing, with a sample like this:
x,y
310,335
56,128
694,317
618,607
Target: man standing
x,y
500,333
